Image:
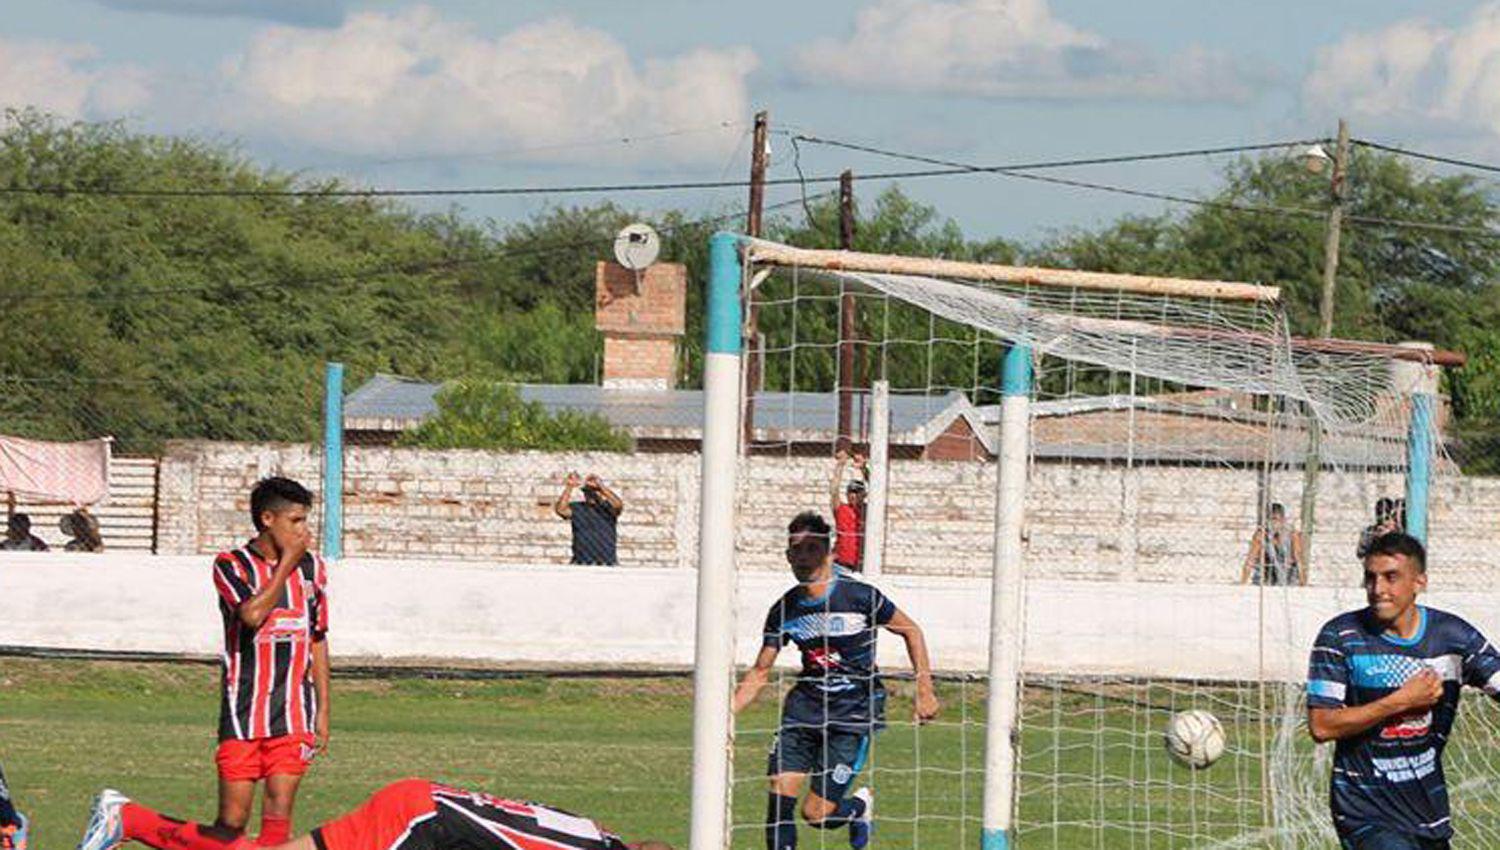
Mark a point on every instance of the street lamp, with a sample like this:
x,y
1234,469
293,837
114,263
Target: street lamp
x,y
1316,159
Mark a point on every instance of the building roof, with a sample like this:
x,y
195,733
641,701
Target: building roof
x,y
1192,427
392,403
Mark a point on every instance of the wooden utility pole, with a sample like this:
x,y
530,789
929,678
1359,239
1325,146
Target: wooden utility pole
x,y
1338,194
846,318
1312,464
760,157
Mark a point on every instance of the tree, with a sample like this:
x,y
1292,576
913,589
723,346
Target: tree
x,y
475,414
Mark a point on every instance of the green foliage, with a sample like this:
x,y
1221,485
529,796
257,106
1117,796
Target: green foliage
x,y
474,414
155,318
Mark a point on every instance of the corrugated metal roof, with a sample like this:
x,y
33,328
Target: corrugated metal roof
x,y
389,402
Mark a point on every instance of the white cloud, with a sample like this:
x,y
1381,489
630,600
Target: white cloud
x,y
1010,49
410,82
68,80
1414,74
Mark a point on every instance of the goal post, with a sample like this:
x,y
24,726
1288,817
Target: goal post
x,y
713,657
1007,602
1097,451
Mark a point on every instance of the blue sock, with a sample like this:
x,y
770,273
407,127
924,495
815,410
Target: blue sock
x,y
850,808
781,823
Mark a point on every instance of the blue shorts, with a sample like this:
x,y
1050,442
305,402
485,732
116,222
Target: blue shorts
x,y
1374,837
832,757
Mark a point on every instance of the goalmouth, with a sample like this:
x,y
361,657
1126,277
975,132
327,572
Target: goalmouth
x,y
1044,344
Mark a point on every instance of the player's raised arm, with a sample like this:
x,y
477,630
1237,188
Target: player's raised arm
x,y
1419,693
291,545
926,707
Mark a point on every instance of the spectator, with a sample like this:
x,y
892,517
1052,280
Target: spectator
x,y
849,512
83,530
18,536
1387,520
594,518
1276,555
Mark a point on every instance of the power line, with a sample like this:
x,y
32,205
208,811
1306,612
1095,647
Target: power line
x,y
417,267
1430,157
566,189
1255,209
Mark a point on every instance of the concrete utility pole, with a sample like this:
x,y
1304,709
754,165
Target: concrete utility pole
x,y
847,329
1312,465
760,158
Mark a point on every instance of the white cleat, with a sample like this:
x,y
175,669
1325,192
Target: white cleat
x,y
106,829
863,828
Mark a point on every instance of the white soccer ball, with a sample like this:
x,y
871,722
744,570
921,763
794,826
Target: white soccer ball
x,y
1195,738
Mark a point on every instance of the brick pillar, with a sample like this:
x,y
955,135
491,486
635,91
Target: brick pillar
x,y
641,315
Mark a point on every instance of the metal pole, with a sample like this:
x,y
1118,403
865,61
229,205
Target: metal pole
x,y
1007,603
1418,382
333,460
760,158
713,657
846,317
880,476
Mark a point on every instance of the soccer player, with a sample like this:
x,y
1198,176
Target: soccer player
x,y
412,814
838,701
13,824
1384,682
273,714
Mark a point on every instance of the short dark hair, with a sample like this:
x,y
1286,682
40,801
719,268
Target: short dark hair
x,y
1384,507
276,494
20,523
809,522
1278,509
1399,543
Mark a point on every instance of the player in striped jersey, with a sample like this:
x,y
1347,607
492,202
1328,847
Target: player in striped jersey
x,y
1384,682
412,814
273,711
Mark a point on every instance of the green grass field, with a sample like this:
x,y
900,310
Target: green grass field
x,y
617,749
614,749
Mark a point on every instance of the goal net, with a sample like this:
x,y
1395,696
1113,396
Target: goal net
x,y
1195,483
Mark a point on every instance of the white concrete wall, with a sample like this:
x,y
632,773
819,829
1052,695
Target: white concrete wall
x,y
1168,524
466,612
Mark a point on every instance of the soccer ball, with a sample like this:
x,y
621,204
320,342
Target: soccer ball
x,y
1194,738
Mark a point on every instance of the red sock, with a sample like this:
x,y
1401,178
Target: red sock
x,y
157,830
273,830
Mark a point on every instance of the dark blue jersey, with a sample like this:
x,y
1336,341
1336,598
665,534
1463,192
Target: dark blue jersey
x,y
839,684
1392,775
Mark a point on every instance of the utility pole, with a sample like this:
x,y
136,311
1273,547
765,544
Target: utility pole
x,y
1337,194
760,157
846,317
1312,464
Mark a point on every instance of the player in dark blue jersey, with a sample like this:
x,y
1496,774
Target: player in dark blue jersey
x,y
1384,683
838,701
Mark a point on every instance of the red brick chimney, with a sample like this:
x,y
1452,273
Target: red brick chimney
x,y
641,315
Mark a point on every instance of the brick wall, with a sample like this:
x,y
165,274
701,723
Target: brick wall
x,y
638,359
1163,523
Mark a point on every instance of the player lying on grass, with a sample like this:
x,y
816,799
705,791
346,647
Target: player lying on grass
x,y
839,699
412,814
1384,682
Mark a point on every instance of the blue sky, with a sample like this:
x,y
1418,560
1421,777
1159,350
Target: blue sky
x,y
475,92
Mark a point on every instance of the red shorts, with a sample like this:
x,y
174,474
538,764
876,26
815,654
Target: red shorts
x,y
288,755
392,816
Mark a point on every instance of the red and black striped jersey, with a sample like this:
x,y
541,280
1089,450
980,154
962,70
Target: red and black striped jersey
x,y
484,821
267,671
